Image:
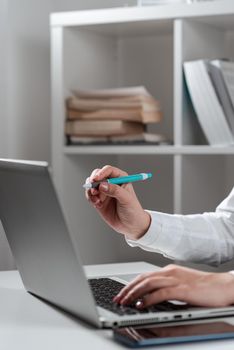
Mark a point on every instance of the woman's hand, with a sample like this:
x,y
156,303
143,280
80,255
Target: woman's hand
x,y
118,205
179,283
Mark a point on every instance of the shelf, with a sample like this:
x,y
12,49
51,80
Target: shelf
x,y
107,20
148,149
139,46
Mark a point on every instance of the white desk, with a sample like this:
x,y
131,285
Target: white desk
x,y
29,323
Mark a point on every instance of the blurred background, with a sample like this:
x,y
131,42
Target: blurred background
x,y
25,80
150,58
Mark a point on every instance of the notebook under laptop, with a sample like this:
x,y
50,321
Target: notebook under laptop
x,y
49,262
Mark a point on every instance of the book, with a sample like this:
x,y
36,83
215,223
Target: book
x,y
111,93
227,70
133,114
206,104
144,103
141,138
102,128
215,68
136,101
110,112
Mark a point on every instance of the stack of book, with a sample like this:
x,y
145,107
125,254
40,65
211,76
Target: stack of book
x,y
111,115
211,87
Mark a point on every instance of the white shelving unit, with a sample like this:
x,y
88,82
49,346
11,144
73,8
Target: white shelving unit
x,y
139,46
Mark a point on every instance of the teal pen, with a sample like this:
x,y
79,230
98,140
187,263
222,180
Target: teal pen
x,y
120,180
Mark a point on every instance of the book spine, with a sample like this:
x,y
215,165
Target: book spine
x,y
135,115
98,128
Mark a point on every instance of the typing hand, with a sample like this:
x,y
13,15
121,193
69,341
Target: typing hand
x,y
179,283
118,205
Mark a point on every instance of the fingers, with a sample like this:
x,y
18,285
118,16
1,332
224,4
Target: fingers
x,y
98,195
108,171
153,290
115,191
93,195
171,282
119,297
94,172
175,292
148,275
146,287
152,287
93,199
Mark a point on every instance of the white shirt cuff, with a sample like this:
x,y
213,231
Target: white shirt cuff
x,y
156,238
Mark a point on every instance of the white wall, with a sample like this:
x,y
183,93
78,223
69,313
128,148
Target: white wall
x,y
25,80
28,57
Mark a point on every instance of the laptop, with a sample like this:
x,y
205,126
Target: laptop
x,y
49,262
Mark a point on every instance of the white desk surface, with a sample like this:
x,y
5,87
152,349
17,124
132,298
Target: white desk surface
x,y
29,323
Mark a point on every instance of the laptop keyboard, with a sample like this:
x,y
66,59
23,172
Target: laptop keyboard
x,y
105,289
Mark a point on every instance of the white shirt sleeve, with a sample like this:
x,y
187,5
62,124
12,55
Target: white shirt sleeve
x,y
202,238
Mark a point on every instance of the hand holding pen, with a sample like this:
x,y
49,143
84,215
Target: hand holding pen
x,y
118,205
119,180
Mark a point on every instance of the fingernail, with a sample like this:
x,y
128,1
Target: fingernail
x,y
104,186
139,304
